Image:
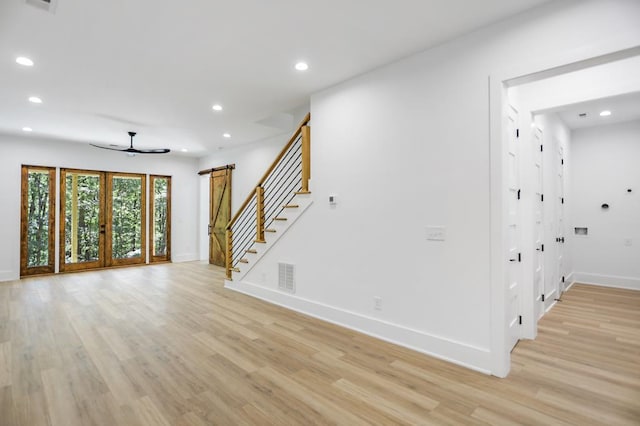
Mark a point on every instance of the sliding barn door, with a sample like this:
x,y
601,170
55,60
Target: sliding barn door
x,y
219,214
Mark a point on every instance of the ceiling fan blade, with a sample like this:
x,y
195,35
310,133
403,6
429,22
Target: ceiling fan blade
x,y
109,147
133,150
150,151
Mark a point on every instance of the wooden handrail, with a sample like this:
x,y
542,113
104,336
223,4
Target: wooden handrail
x,y
304,121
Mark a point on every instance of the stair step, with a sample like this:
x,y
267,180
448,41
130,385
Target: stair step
x,y
303,192
280,218
290,206
270,230
252,251
259,242
243,261
235,269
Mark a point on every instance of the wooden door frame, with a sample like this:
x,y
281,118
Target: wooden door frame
x,y
25,270
105,215
228,169
108,253
167,256
62,265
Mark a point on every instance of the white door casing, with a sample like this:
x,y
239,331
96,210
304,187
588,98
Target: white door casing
x,y
513,229
538,225
557,287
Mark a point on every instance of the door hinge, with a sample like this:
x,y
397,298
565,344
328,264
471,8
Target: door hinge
x,y
562,161
542,197
543,297
518,194
562,200
563,279
541,149
517,133
520,319
542,247
519,257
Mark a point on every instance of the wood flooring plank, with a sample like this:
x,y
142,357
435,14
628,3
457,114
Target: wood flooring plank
x,y
168,344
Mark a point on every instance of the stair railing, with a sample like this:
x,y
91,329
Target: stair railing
x,y
287,176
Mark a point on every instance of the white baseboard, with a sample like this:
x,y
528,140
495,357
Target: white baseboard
x,y
468,356
629,283
188,257
9,275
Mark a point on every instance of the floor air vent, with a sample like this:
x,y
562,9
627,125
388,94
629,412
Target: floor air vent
x,y
286,281
46,5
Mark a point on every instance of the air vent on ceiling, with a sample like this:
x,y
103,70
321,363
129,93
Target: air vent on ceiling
x,y
286,281
46,5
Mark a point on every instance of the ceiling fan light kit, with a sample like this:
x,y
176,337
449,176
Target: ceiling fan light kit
x,y
132,150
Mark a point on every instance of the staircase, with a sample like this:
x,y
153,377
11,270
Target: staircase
x,y
278,200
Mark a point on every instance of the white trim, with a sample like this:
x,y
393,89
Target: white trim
x,y
468,356
188,257
9,275
629,283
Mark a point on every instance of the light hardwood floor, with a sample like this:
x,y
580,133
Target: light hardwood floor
x,y
168,345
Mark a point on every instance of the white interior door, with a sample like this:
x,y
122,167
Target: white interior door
x,y
514,259
558,285
538,226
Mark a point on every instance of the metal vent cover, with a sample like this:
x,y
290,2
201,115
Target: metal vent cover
x,y
286,277
46,5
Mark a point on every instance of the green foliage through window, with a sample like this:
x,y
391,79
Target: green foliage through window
x,y
127,217
38,218
160,217
86,228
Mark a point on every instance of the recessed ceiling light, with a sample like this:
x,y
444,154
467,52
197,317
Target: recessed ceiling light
x,y
24,61
35,100
27,129
217,107
302,66
184,149
226,135
605,113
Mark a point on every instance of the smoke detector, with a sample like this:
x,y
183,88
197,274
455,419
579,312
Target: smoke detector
x,y
46,5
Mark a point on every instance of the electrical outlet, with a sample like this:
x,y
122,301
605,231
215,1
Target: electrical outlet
x,y
628,242
377,303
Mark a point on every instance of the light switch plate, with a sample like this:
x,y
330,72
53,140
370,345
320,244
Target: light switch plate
x,y
436,233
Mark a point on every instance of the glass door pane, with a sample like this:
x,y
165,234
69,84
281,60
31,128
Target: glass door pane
x,y
126,240
82,228
37,220
161,218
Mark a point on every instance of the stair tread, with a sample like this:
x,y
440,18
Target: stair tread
x,y
259,242
243,261
252,251
303,192
235,270
280,218
270,230
291,206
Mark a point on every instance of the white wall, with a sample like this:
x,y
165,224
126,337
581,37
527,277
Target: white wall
x,y
606,162
18,150
407,146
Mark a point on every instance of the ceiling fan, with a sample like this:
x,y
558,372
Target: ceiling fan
x,y
132,150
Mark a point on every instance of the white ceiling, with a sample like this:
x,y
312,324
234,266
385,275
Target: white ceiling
x,y
623,108
156,67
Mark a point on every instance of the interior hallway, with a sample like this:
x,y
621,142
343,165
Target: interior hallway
x,y
167,344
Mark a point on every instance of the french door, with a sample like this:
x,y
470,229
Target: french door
x,y
102,219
